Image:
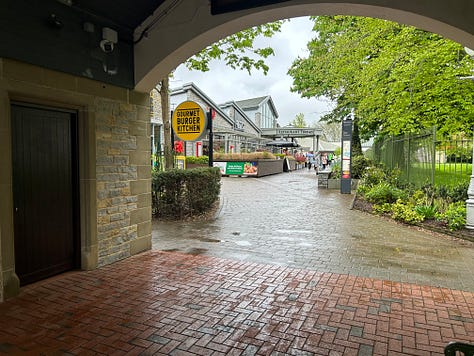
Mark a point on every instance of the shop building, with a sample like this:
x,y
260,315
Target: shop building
x,y
234,131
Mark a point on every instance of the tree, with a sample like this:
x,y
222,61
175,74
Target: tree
x,y
396,78
165,110
331,130
237,51
299,121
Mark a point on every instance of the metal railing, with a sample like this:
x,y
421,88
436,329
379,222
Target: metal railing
x,y
422,158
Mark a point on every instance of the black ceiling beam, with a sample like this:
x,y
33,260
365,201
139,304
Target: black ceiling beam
x,y
224,6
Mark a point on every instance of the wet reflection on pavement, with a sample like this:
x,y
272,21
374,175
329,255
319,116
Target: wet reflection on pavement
x,y
286,220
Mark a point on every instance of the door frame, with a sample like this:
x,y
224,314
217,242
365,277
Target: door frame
x,y
74,124
85,106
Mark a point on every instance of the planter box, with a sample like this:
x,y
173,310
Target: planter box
x,y
336,184
195,165
256,168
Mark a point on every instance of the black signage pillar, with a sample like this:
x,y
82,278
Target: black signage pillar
x,y
346,143
211,139
173,152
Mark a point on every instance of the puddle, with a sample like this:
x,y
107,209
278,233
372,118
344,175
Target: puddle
x,y
196,251
170,250
208,239
308,232
243,243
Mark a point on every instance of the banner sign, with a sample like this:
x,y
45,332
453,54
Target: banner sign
x,y
292,132
189,121
237,168
346,156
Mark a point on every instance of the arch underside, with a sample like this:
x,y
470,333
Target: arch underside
x,y
189,27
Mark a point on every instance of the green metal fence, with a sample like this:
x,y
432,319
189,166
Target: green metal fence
x,y
157,161
422,158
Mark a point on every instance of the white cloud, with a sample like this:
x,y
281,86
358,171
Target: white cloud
x,y
223,84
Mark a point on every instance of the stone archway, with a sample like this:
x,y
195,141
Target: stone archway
x,y
185,27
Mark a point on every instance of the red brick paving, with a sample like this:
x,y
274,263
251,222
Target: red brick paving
x,y
173,303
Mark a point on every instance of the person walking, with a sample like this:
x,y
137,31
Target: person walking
x,y
324,160
310,159
317,162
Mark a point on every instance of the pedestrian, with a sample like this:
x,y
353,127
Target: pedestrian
x,y
317,162
324,160
310,159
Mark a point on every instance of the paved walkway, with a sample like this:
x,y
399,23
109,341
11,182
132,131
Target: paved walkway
x,y
285,220
195,303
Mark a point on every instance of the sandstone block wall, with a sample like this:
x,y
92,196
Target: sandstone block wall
x,y
123,175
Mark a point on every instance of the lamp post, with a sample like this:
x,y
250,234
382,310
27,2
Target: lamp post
x,y
470,190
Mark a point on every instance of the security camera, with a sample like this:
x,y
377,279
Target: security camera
x,y
109,38
106,46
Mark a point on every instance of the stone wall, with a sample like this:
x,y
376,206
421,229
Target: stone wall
x,y
123,176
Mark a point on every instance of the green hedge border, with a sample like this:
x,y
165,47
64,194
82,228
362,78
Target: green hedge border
x,y
178,194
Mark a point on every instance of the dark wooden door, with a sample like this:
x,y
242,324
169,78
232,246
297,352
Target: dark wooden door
x,y
44,191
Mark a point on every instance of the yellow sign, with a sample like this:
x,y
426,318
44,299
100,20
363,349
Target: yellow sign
x,y
189,121
181,162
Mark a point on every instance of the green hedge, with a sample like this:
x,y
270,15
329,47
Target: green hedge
x,y
197,160
182,193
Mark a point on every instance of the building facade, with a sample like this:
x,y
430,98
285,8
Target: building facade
x,y
261,111
234,131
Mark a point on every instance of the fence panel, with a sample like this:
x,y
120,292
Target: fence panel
x,y
421,158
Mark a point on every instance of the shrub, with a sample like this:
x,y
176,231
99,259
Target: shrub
x,y
336,172
427,211
451,194
359,165
373,176
454,216
243,156
430,192
383,208
406,212
197,160
363,189
418,197
181,193
394,177
383,193
458,192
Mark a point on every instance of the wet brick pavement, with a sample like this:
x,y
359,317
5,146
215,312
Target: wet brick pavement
x,y
169,303
285,220
291,271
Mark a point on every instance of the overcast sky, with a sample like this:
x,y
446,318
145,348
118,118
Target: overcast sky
x,y
223,84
